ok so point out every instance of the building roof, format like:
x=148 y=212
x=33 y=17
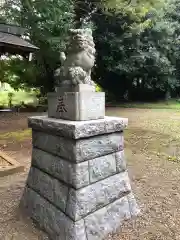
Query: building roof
x=12 y=29
x=8 y=40
x=12 y=42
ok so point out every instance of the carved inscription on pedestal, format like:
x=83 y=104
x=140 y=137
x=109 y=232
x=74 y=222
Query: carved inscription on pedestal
x=61 y=108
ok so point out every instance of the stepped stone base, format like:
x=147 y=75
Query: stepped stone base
x=78 y=186
x=95 y=226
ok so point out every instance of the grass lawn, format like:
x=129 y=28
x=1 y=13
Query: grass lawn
x=173 y=104
x=19 y=96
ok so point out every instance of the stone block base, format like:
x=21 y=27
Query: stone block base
x=95 y=226
x=76 y=106
x=78 y=186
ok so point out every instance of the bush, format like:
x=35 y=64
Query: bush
x=98 y=88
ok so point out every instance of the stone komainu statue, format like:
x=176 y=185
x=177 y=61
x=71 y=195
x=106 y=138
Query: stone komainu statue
x=77 y=64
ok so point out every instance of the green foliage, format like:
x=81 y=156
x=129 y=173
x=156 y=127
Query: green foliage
x=137 y=44
x=47 y=23
x=18 y=73
x=139 y=60
x=133 y=9
x=98 y=88
x=110 y=4
x=17 y=98
x=173 y=15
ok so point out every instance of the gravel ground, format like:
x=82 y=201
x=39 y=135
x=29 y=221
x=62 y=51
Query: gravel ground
x=152 y=150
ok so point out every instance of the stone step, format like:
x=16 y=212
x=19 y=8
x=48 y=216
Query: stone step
x=78 y=150
x=95 y=226
x=79 y=203
x=81 y=174
x=77 y=129
x=78 y=187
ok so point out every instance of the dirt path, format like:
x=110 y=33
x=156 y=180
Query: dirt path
x=14 y=226
x=152 y=139
x=152 y=150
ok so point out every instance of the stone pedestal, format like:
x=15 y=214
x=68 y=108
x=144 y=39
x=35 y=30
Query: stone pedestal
x=76 y=106
x=78 y=186
x=76 y=103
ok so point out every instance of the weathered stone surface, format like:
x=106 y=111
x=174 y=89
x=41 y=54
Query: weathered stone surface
x=78 y=187
x=59 y=146
x=86 y=200
x=76 y=88
x=80 y=150
x=79 y=59
x=52 y=220
x=76 y=106
x=48 y=187
x=77 y=175
x=84 y=88
x=107 y=220
x=120 y=161
x=134 y=208
x=77 y=129
x=103 y=167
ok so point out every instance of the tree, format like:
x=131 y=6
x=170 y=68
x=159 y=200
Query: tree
x=136 y=47
x=47 y=23
x=139 y=60
x=173 y=15
x=85 y=9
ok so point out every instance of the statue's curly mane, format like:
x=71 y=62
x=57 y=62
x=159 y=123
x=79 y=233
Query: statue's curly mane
x=81 y=39
x=80 y=57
